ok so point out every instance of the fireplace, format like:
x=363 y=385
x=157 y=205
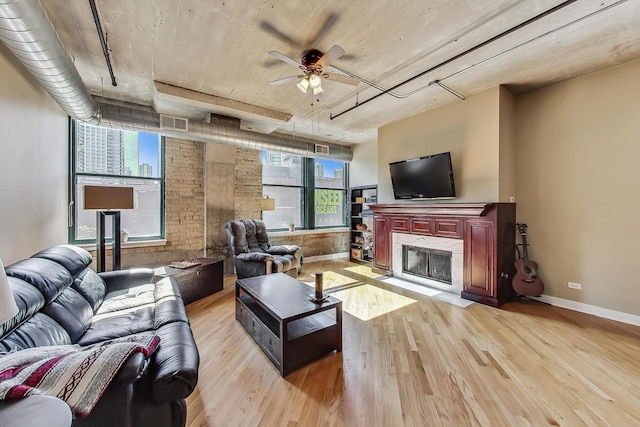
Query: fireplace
x=426 y=262
x=436 y=262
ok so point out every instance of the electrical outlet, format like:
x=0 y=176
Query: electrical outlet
x=512 y=199
x=574 y=285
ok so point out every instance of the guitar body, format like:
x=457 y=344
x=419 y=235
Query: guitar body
x=526 y=281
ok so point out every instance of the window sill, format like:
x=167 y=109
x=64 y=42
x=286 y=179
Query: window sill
x=134 y=244
x=303 y=232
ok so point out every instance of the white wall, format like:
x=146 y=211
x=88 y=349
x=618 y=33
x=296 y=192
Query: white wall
x=33 y=164
x=363 y=169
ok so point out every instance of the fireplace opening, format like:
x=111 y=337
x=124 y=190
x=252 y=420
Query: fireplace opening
x=429 y=263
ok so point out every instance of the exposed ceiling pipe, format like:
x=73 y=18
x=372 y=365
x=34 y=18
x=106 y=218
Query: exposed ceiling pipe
x=27 y=31
x=460 y=55
x=103 y=41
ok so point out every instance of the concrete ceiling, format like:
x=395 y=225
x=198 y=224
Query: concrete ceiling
x=194 y=57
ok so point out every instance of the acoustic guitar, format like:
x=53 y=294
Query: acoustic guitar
x=526 y=281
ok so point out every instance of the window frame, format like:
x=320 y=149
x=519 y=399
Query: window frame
x=74 y=204
x=308 y=195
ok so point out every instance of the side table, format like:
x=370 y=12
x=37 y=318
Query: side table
x=195 y=282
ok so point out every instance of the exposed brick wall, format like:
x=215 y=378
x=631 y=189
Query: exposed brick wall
x=316 y=244
x=248 y=184
x=184 y=207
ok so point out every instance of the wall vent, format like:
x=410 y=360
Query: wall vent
x=322 y=149
x=178 y=124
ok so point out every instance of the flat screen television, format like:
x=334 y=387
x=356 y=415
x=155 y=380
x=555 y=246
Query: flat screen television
x=428 y=177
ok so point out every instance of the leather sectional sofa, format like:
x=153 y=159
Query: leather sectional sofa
x=62 y=301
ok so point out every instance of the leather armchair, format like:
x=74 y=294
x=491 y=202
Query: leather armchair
x=253 y=254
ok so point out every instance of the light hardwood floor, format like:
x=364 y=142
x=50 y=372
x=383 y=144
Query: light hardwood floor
x=409 y=360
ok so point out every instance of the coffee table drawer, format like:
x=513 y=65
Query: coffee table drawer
x=271 y=344
x=254 y=326
x=241 y=314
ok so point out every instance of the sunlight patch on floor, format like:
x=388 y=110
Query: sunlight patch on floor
x=430 y=292
x=330 y=279
x=363 y=270
x=367 y=301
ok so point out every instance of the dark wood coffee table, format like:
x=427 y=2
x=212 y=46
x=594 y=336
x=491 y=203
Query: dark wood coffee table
x=278 y=313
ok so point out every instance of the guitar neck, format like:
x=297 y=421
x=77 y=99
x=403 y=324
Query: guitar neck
x=525 y=251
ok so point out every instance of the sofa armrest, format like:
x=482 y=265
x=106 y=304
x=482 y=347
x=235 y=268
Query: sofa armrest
x=132 y=370
x=284 y=250
x=173 y=368
x=124 y=279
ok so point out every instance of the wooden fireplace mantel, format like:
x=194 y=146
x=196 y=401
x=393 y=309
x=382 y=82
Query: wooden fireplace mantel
x=487 y=231
x=439 y=209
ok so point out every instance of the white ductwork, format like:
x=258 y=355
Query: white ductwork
x=27 y=31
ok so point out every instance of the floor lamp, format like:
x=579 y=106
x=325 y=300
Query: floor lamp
x=105 y=199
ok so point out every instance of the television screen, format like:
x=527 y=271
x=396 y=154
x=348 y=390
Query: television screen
x=428 y=177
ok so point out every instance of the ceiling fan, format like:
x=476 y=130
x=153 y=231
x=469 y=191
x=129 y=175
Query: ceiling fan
x=313 y=66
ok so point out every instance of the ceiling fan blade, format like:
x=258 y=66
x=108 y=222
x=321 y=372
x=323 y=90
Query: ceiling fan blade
x=285 y=80
x=314 y=40
x=331 y=55
x=279 y=34
x=341 y=79
x=285 y=58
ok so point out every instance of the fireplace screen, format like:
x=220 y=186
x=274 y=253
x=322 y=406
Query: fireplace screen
x=429 y=263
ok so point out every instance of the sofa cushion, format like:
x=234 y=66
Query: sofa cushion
x=73 y=258
x=136 y=296
x=145 y=309
x=49 y=277
x=90 y=285
x=28 y=299
x=39 y=330
x=72 y=311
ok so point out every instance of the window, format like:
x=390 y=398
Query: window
x=309 y=193
x=330 y=193
x=104 y=156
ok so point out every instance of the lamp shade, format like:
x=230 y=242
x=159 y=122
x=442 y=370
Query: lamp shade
x=267 y=204
x=102 y=197
x=8 y=307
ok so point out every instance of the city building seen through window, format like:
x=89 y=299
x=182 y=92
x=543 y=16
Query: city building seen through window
x=111 y=157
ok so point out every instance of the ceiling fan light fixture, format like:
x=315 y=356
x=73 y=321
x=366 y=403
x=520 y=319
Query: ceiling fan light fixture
x=303 y=85
x=314 y=80
x=317 y=90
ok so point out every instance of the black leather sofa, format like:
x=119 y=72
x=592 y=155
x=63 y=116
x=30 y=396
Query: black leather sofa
x=62 y=301
x=253 y=254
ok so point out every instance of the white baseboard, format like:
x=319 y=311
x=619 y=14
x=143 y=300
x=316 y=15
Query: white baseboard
x=618 y=316
x=326 y=257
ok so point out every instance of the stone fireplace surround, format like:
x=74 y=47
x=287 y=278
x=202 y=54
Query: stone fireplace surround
x=455 y=246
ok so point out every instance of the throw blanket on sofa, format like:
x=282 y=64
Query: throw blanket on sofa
x=77 y=375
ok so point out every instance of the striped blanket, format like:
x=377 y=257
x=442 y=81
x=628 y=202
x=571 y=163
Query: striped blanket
x=78 y=375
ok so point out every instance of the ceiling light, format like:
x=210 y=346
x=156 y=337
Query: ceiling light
x=317 y=90
x=314 y=80
x=303 y=85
